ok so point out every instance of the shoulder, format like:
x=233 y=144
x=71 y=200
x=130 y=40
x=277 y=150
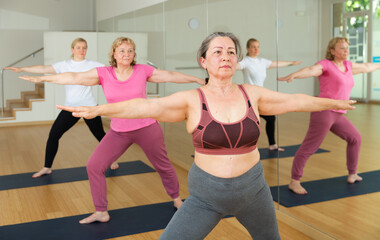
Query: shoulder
x=104 y=69
x=324 y=62
x=348 y=63
x=145 y=68
x=264 y=61
x=62 y=63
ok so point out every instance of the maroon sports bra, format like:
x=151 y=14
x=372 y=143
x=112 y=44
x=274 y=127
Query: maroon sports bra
x=216 y=138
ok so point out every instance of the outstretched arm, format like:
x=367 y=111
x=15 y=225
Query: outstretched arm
x=41 y=69
x=364 y=67
x=284 y=63
x=88 y=78
x=160 y=76
x=172 y=108
x=312 y=71
x=273 y=103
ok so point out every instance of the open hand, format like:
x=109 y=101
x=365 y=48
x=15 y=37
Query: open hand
x=288 y=78
x=13 y=69
x=345 y=105
x=35 y=79
x=85 y=112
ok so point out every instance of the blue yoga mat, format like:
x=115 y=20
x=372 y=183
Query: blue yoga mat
x=328 y=189
x=126 y=221
x=68 y=175
x=290 y=151
x=123 y=222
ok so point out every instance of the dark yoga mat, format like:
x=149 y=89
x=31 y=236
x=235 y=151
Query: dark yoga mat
x=290 y=151
x=68 y=175
x=328 y=189
x=123 y=222
x=126 y=221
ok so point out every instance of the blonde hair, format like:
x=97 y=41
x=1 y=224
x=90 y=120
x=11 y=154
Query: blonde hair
x=77 y=40
x=118 y=41
x=250 y=41
x=332 y=44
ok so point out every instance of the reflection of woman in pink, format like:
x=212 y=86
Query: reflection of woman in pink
x=255 y=71
x=336 y=80
x=124 y=80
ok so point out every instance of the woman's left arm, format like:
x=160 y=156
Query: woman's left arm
x=364 y=67
x=273 y=103
x=160 y=76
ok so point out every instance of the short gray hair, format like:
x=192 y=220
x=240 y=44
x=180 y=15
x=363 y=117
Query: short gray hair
x=206 y=44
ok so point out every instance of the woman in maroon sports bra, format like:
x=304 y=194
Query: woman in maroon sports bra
x=227 y=176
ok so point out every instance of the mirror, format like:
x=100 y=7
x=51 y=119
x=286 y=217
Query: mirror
x=288 y=30
x=331 y=202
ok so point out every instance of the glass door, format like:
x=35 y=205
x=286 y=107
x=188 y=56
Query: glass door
x=356 y=30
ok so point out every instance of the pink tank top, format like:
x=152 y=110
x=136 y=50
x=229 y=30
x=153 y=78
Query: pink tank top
x=216 y=138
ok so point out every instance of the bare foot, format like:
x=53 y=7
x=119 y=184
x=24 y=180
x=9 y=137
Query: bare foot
x=352 y=178
x=97 y=216
x=295 y=186
x=177 y=202
x=43 y=171
x=275 y=147
x=114 y=166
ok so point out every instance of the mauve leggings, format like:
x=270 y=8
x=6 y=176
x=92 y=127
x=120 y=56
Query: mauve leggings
x=320 y=124
x=114 y=144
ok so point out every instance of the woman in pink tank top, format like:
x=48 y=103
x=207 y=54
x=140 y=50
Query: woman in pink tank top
x=222 y=180
x=335 y=75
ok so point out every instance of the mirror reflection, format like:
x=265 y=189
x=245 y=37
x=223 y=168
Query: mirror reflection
x=342 y=155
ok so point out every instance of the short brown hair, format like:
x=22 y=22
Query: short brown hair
x=332 y=44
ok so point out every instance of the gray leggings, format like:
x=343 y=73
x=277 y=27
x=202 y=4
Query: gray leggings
x=247 y=197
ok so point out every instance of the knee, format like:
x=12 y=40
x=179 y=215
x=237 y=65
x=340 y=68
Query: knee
x=355 y=139
x=93 y=168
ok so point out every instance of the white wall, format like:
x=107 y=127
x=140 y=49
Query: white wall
x=298 y=34
x=111 y=8
x=22 y=24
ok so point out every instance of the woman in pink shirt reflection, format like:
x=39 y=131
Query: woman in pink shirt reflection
x=335 y=75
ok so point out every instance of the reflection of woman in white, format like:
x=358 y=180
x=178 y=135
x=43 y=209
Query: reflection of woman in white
x=254 y=70
x=76 y=95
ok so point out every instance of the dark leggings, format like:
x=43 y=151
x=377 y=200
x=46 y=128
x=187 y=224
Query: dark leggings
x=62 y=124
x=270 y=128
x=247 y=197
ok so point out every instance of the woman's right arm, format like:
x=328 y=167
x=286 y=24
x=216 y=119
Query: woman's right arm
x=89 y=78
x=312 y=71
x=41 y=69
x=173 y=108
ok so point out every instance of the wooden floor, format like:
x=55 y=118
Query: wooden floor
x=22 y=150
